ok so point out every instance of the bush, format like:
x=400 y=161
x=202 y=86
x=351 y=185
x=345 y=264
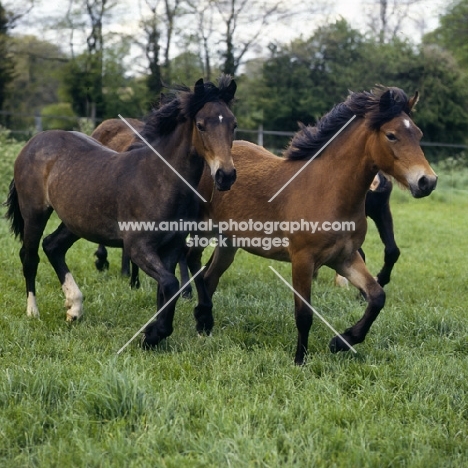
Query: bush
x=59 y=116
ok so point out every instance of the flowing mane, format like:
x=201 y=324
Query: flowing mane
x=183 y=105
x=378 y=106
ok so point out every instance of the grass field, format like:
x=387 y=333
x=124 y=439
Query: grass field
x=236 y=399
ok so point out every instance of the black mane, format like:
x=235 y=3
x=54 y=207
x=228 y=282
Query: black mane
x=183 y=105
x=377 y=106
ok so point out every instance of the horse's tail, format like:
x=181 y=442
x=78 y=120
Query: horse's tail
x=14 y=213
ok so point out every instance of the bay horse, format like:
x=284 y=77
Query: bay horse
x=378 y=209
x=93 y=188
x=117 y=135
x=332 y=188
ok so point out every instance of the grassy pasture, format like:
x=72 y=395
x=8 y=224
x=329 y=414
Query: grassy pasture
x=236 y=399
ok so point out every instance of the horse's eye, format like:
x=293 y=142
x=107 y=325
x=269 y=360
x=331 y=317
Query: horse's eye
x=235 y=125
x=201 y=127
x=391 y=137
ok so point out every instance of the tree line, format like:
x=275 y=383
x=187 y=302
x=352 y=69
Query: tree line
x=295 y=81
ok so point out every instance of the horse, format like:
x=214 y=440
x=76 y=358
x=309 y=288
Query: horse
x=93 y=189
x=117 y=135
x=331 y=188
x=378 y=209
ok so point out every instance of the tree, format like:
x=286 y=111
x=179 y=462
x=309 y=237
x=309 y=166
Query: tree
x=6 y=61
x=186 y=68
x=387 y=17
x=233 y=28
x=305 y=79
x=83 y=80
x=452 y=34
x=38 y=71
x=96 y=10
x=159 y=27
x=204 y=20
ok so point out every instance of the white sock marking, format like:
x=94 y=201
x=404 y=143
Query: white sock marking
x=73 y=298
x=32 y=309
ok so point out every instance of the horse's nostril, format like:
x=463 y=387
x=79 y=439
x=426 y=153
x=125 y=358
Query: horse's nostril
x=423 y=183
x=224 y=180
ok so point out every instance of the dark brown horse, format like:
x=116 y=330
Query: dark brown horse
x=331 y=189
x=93 y=189
x=117 y=135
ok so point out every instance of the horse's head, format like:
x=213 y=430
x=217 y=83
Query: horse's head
x=213 y=129
x=397 y=149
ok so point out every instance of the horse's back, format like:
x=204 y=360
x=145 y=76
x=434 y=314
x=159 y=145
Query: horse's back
x=115 y=133
x=53 y=145
x=58 y=154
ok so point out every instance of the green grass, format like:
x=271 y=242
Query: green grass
x=236 y=399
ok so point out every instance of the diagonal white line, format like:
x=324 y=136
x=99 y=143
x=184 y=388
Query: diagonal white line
x=312 y=158
x=160 y=310
x=313 y=310
x=155 y=151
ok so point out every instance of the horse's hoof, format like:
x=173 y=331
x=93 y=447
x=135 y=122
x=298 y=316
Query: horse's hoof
x=204 y=335
x=150 y=342
x=341 y=282
x=101 y=265
x=187 y=294
x=32 y=312
x=152 y=336
x=135 y=284
x=204 y=319
x=337 y=344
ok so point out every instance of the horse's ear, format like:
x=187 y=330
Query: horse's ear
x=387 y=100
x=227 y=94
x=413 y=101
x=199 y=88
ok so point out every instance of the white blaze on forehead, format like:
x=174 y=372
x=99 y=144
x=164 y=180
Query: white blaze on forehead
x=407 y=123
x=220 y=118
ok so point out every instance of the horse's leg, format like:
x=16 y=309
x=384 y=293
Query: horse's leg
x=125 y=264
x=129 y=268
x=101 y=260
x=356 y=272
x=341 y=281
x=162 y=270
x=203 y=311
x=184 y=274
x=384 y=222
x=33 y=230
x=220 y=260
x=206 y=283
x=56 y=246
x=302 y=274
x=135 y=277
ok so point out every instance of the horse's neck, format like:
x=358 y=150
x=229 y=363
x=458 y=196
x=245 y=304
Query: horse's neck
x=177 y=150
x=348 y=162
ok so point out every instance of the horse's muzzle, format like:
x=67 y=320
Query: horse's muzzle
x=425 y=186
x=224 y=180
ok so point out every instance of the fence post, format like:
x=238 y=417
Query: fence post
x=38 y=121
x=260 y=135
